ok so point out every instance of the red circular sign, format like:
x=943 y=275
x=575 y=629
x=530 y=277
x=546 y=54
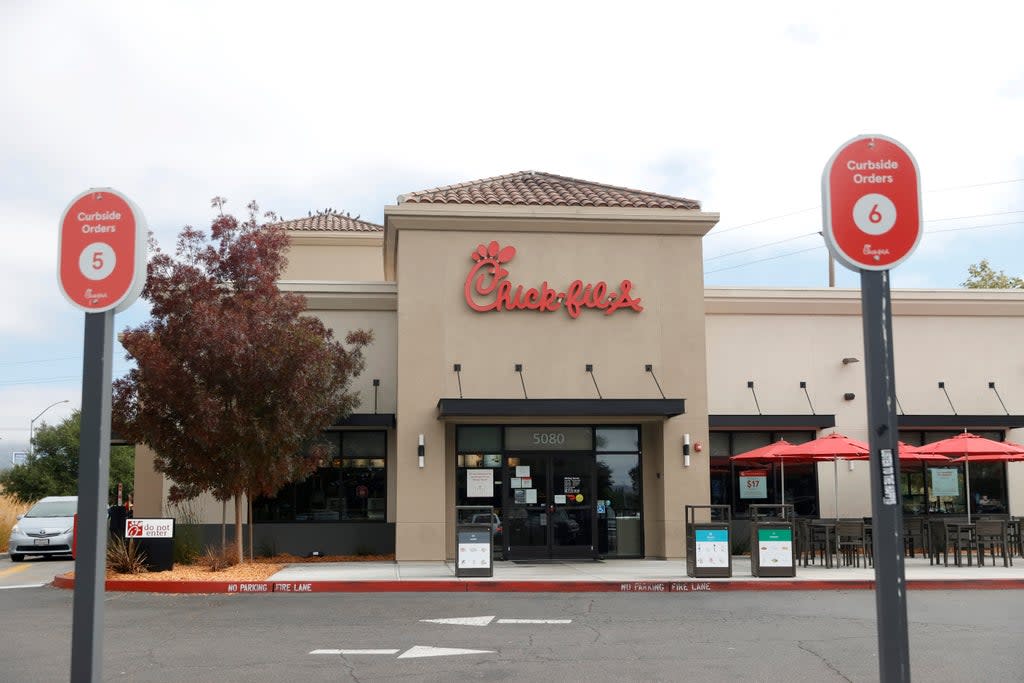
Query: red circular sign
x=101 y=251
x=871 y=201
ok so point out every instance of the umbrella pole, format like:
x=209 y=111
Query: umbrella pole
x=835 y=472
x=782 y=464
x=967 y=482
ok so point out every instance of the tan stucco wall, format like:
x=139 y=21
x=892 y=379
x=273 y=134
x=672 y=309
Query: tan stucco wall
x=779 y=337
x=437 y=329
x=330 y=257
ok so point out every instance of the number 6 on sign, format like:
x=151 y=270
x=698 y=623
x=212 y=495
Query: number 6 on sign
x=875 y=214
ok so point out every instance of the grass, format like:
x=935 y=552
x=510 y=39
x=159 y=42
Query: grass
x=9 y=511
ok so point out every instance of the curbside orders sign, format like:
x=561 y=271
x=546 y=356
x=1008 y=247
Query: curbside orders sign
x=871 y=203
x=102 y=251
x=149 y=528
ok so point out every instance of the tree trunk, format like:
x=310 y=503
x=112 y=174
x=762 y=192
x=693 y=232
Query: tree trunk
x=224 y=524
x=240 y=554
x=248 y=498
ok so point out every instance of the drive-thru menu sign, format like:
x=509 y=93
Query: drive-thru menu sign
x=871 y=203
x=102 y=251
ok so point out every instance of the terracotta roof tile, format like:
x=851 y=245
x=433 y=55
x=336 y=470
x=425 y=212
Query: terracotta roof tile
x=331 y=222
x=533 y=188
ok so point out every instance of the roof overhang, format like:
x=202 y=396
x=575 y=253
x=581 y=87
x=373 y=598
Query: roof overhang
x=640 y=408
x=381 y=420
x=967 y=422
x=770 y=422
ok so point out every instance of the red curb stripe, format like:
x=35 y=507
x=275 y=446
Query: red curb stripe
x=455 y=586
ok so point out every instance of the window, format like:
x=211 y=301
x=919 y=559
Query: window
x=988 y=480
x=801 y=481
x=349 y=482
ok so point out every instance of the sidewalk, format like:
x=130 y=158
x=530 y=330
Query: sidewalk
x=615 y=576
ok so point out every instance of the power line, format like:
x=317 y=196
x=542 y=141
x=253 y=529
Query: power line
x=44 y=360
x=21 y=382
x=794 y=213
x=802 y=251
x=927 y=232
x=760 y=246
x=767 y=258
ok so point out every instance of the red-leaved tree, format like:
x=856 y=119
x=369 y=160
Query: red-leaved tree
x=230 y=377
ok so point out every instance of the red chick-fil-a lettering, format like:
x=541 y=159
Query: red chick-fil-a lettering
x=488 y=289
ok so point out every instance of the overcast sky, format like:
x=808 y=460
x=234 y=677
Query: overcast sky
x=303 y=106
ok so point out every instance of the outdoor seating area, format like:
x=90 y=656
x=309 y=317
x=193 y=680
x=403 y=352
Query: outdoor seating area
x=954 y=527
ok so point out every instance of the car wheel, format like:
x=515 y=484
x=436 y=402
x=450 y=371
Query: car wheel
x=17 y=557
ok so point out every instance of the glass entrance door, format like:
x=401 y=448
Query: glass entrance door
x=549 y=501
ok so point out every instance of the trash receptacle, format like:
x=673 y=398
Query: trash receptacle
x=474 y=533
x=117 y=515
x=155 y=538
x=708 y=543
x=771 y=541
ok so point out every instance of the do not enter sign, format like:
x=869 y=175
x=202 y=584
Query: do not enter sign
x=102 y=251
x=871 y=200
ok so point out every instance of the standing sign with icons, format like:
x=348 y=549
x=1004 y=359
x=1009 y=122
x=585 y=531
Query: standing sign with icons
x=101 y=270
x=871 y=202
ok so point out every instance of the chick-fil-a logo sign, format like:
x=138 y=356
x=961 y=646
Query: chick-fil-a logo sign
x=487 y=289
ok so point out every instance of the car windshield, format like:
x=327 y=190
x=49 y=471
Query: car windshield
x=53 y=508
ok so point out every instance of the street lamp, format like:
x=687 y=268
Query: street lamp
x=32 y=427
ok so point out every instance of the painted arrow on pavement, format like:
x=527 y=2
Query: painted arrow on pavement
x=412 y=653
x=484 y=621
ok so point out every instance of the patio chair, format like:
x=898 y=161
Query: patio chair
x=938 y=542
x=992 y=533
x=813 y=543
x=915 y=535
x=852 y=541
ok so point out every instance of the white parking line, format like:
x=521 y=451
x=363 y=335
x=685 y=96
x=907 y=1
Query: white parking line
x=354 y=652
x=24 y=585
x=534 y=621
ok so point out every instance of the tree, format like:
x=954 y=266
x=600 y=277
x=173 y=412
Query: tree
x=982 y=276
x=230 y=377
x=53 y=469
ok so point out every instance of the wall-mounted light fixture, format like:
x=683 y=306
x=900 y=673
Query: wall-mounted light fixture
x=849 y=464
x=686 y=450
x=419 y=451
x=850 y=359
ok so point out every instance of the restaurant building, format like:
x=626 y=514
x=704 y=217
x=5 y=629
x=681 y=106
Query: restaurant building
x=546 y=346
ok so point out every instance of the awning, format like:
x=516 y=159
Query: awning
x=367 y=420
x=770 y=422
x=969 y=422
x=560 y=407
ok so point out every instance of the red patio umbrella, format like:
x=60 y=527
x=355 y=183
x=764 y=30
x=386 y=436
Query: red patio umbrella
x=831 y=447
x=910 y=453
x=770 y=453
x=969 y=447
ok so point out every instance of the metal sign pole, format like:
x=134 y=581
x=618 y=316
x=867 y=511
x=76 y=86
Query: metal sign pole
x=886 y=501
x=93 y=480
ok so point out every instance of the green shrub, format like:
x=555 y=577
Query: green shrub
x=187 y=533
x=220 y=558
x=125 y=558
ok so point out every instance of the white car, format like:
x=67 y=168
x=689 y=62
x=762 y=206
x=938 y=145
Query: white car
x=46 y=529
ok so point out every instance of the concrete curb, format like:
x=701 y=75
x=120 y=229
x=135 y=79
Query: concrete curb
x=687 y=586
